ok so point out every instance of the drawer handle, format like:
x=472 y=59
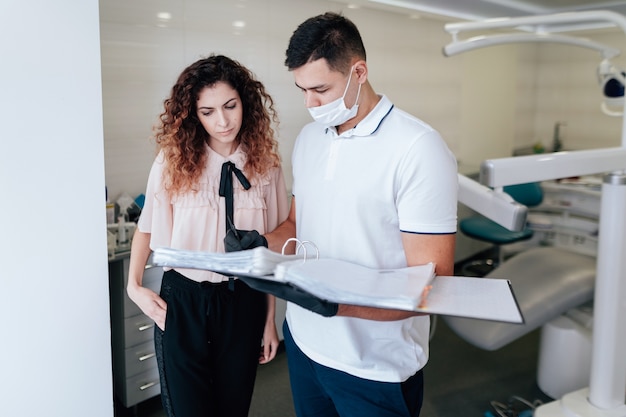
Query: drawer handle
x=146 y=357
x=145 y=327
x=146 y=386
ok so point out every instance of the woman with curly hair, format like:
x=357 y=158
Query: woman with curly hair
x=217 y=167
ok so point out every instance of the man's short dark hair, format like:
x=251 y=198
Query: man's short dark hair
x=330 y=36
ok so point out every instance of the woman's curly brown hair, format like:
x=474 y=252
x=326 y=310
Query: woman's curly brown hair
x=182 y=138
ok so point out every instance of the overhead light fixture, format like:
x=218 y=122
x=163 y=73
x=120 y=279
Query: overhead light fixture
x=239 y=24
x=164 y=16
x=163 y=19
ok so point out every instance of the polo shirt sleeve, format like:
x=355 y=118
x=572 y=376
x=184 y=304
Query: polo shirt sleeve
x=427 y=187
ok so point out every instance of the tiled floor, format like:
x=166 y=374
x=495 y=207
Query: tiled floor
x=148 y=408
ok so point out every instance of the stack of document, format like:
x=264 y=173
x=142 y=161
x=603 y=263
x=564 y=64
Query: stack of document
x=257 y=262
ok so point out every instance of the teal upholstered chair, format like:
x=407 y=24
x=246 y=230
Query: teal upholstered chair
x=481 y=228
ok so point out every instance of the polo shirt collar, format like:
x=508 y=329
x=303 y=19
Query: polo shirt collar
x=371 y=122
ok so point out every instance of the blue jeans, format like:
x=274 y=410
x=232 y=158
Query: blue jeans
x=320 y=391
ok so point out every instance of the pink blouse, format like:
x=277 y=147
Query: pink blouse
x=196 y=220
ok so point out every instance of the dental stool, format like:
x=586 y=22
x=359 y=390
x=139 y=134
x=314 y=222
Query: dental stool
x=481 y=228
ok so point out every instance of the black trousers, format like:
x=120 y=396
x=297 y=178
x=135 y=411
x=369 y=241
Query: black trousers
x=209 y=352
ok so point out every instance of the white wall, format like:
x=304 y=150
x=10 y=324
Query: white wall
x=488 y=104
x=54 y=316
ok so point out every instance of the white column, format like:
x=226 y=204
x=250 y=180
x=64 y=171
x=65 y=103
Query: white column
x=608 y=376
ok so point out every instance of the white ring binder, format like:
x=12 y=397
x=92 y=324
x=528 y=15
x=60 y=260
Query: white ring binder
x=301 y=244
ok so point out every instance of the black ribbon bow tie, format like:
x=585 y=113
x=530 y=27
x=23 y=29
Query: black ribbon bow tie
x=226 y=189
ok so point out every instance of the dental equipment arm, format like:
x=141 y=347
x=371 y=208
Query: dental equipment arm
x=496 y=205
x=539 y=22
x=541 y=167
x=459 y=46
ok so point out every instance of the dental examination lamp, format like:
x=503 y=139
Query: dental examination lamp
x=606 y=394
x=611 y=79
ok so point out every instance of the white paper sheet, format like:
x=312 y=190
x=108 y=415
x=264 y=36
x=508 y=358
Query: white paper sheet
x=471 y=297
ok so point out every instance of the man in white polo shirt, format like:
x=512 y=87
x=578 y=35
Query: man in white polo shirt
x=375 y=186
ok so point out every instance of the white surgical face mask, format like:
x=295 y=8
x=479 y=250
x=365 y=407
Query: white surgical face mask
x=336 y=113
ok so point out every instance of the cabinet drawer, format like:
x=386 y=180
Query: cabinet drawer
x=140 y=387
x=152 y=280
x=140 y=358
x=138 y=329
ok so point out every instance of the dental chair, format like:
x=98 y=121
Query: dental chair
x=547 y=282
x=481 y=228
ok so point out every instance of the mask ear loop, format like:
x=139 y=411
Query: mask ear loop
x=301 y=244
x=358 y=93
x=349 y=79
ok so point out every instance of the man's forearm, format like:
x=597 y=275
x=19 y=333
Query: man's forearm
x=277 y=238
x=374 y=313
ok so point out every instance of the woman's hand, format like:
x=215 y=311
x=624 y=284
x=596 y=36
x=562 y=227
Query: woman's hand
x=270 y=342
x=150 y=303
